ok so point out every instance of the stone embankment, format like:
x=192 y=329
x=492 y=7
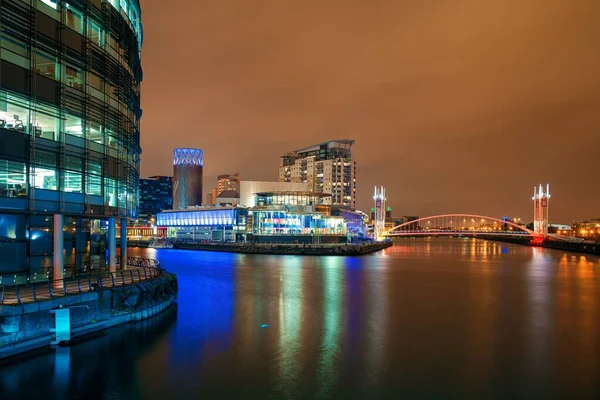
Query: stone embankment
x=29 y=325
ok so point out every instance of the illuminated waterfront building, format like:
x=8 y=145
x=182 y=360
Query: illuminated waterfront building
x=589 y=229
x=249 y=189
x=70 y=78
x=274 y=216
x=205 y=223
x=326 y=168
x=294 y=213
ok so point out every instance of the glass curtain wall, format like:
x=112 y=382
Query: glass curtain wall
x=69 y=128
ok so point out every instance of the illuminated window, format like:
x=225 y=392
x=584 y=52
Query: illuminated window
x=74 y=18
x=73 y=178
x=50 y=3
x=43 y=177
x=13 y=179
x=14 y=112
x=110 y=192
x=93 y=185
x=44 y=123
x=94 y=132
x=73 y=125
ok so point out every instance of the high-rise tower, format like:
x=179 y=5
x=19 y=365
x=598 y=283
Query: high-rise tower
x=326 y=168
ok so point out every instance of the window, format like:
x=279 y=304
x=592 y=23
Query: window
x=44 y=125
x=73 y=182
x=94 y=185
x=51 y=3
x=122 y=195
x=43 y=174
x=73 y=177
x=14 y=112
x=45 y=64
x=94 y=132
x=110 y=192
x=95 y=33
x=14 y=51
x=113 y=42
x=73 y=125
x=74 y=18
x=15 y=45
x=73 y=77
x=94 y=81
x=45 y=122
x=43 y=177
x=93 y=178
x=13 y=179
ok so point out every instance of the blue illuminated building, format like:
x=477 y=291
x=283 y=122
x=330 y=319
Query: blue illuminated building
x=205 y=223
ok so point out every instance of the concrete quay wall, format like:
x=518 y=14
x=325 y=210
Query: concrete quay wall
x=26 y=327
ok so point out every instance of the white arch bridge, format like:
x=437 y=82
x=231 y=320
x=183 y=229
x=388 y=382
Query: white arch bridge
x=459 y=225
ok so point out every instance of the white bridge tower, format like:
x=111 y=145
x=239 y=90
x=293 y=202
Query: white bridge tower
x=541 y=201
x=379 y=220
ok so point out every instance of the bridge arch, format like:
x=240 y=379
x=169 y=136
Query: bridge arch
x=445 y=224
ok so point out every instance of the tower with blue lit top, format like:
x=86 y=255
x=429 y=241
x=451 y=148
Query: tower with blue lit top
x=187 y=178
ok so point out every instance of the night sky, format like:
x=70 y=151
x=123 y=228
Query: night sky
x=455 y=106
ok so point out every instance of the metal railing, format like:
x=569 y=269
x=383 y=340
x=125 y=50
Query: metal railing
x=138 y=270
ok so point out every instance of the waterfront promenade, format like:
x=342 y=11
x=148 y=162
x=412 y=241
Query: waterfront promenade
x=92 y=303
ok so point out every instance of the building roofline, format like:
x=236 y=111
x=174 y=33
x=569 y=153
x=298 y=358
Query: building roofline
x=292 y=193
x=342 y=141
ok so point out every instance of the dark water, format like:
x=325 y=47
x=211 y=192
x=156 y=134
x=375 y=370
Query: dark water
x=427 y=318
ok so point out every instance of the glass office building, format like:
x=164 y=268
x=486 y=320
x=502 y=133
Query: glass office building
x=156 y=195
x=70 y=79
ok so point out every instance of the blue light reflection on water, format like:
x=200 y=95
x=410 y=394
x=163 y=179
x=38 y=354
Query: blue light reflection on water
x=205 y=306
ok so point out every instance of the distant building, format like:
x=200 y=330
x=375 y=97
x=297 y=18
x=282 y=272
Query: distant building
x=211 y=198
x=228 y=182
x=187 y=178
x=326 y=167
x=249 y=189
x=156 y=195
x=266 y=212
x=228 y=197
x=589 y=229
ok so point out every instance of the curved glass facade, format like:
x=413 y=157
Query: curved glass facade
x=70 y=78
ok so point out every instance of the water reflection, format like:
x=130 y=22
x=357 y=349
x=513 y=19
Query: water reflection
x=332 y=308
x=103 y=366
x=290 y=320
x=427 y=318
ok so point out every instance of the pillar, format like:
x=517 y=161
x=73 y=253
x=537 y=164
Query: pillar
x=123 y=243
x=112 y=244
x=59 y=247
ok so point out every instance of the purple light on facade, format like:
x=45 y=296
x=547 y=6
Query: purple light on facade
x=188 y=157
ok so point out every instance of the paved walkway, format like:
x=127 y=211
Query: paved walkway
x=12 y=295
